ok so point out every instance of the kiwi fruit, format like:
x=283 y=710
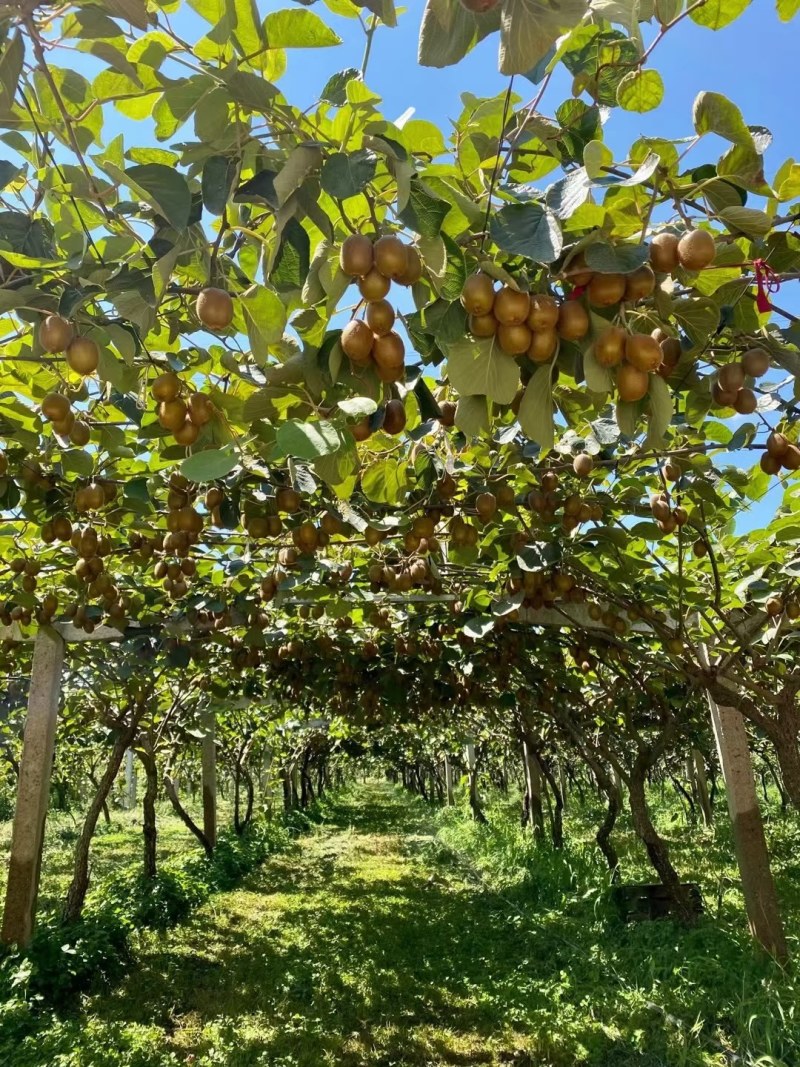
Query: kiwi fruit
x=55 y=407
x=172 y=414
x=477 y=295
x=389 y=351
x=640 y=284
x=83 y=355
x=755 y=362
x=288 y=500
x=543 y=345
x=573 y=321
x=605 y=290
x=483 y=325
x=511 y=307
x=769 y=464
x=514 y=338
x=55 y=333
x=632 y=383
x=791 y=458
x=724 y=398
x=200 y=408
x=577 y=273
x=63 y=427
x=643 y=351
x=774 y=606
x=543 y=314
x=360 y=430
x=731 y=377
x=671 y=350
x=447 y=410
x=486 y=505
x=664 y=253
x=166 y=387
x=583 y=465
x=394 y=418
x=374 y=285
x=80 y=433
x=356 y=256
x=214 y=308
x=746 y=402
x=609 y=348
x=357 y=341
x=696 y=250
x=777 y=444
x=390 y=256
x=379 y=316
x=413 y=272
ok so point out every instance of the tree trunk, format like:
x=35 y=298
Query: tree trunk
x=185 y=817
x=474 y=798
x=557 y=812
x=79 y=886
x=106 y=814
x=603 y=835
x=149 y=826
x=701 y=782
x=448 y=782
x=240 y=825
x=788 y=755
x=655 y=845
x=533 y=792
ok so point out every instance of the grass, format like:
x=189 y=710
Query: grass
x=398 y=935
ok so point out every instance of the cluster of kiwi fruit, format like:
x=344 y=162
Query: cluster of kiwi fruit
x=780 y=453
x=779 y=605
x=668 y=519
x=57 y=409
x=56 y=334
x=391 y=420
x=544 y=588
x=372 y=341
x=522 y=323
x=729 y=389
x=401 y=576
x=184 y=418
x=548 y=503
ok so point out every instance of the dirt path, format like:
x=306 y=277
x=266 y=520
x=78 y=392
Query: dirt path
x=357 y=948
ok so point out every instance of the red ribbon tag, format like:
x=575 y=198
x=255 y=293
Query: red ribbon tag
x=767 y=281
x=577 y=292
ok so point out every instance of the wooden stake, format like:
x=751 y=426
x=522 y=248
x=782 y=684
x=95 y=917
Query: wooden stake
x=209 y=774
x=33 y=788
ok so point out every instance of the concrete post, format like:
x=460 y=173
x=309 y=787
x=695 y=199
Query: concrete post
x=209 y=774
x=33 y=788
x=130 y=780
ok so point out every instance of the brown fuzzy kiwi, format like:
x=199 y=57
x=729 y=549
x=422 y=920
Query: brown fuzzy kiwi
x=543 y=314
x=214 y=308
x=577 y=273
x=573 y=321
x=724 y=398
x=731 y=377
x=186 y=434
x=543 y=345
x=356 y=255
x=477 y=295
x=777 y=444
x=609 y=348
x=639 y=284
x=394 y=418
x=201 y=408
x=769 y=464
x=746 y=402
x=664 y=253
x=448 y=413
x=389 y=351
x=605 y=290
x=643 y=352
x=374 y=286
x=361 y=429
x=696 y=250
x=583 y=465
x=55 y=333
x=83 y=355
x=514 y=339
x=483 y=325
x=379 y=316
x=391 y=256
x=632 y=383
x=755 y=362
x=357 y=341
x=166 y=387
x=55 y=407
x=511 y=307
x=172 y=414
x=413 y=272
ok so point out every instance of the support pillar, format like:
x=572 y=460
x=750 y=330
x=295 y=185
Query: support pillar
x=33 y=788
x=758 y=886
x=209 y=772
x=448 y=781
x=130 y=780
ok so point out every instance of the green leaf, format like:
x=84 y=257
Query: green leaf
x=448 y=32
x=264 y=319
x=133 y=11
x=565 y=196
x=472 y=415
x=481 y=368
x=358 y=407
x=210 y=465
x=787 y=9
x=308 y=440
x=528 y=230
x=219 y=174
x=346 y=175
x=699 y=319
x=597 y=157
x=293 y=259
x=11 y=60
x=660 y=401
x=640 y=90
x=302 y=160
x=529 y=27
x=424 y=212
x=386 y=481
x=178 y=102
x=714 y=14
x=536 y=410
x=250 y=90
x=335 y=88
x=715 y=113
x=298 y=28
x=164 y=189
x=748 y=220
x=616 y=259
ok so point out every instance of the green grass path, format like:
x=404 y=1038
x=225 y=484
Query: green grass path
x=353 y=949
